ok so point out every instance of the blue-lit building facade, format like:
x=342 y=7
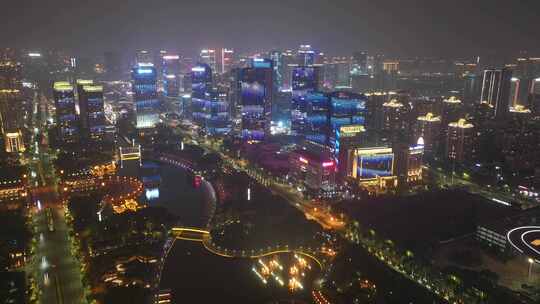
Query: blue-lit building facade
x=145 y=97
x=201 y=85
x=66 y=115
x=92 y=111
x=326 y=113
x=317 y=128
x=305 y=80
x=335 y=120
x=171 y=75
x=256 y=91
x=345 y=109
x=277 y=62
x=218 y=121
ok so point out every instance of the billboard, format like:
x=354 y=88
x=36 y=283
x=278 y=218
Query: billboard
x=374 y=162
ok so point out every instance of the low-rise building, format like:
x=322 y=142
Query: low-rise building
x=316 y=170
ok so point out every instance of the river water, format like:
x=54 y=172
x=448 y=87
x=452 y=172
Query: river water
x=192 y=273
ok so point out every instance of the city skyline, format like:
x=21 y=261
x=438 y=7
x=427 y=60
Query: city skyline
x=240 y=151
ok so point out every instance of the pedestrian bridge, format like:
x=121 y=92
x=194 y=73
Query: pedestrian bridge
x=200 y=235
x=189 y=234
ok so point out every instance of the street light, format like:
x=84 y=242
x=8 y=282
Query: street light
x=531 y=262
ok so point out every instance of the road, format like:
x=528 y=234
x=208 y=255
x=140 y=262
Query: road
x=495 y=195
x=309 y=208
x=57 y=272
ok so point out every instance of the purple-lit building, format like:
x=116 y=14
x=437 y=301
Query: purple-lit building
x=305 y=80
x=256 y=99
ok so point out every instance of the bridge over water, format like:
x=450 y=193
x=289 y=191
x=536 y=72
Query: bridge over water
x=200 y=235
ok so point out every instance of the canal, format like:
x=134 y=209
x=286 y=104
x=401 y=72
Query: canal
x=193 y=273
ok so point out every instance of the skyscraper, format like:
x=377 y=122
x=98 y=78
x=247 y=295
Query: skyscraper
x=345 y=109
x=394 y=117
x=208 y=56
x=218 y=111
x=201 y=85
x=227 y=60
x=11 y=111
x=452 y=109
x=66 y=115
x=171 y=75
x=305 y=79
x=496 y=90
x=288 y=63
x=359 y=63
x=428 y=129
x=337 y=73
x=534 y=96
x=277 y=62
x=201 y=80
x=143 y=57
x=317 y=125
x=144 y=86
x=92 y=111
x=306 y=55
x=256 y=99
x=459 y=141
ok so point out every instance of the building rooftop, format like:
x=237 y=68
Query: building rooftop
x=429 y=117
x=393 y=103
x=313 y=156
x=452 y=99
x=520 y=109
x=461 y=123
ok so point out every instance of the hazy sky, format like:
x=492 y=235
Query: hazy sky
x=401 y=27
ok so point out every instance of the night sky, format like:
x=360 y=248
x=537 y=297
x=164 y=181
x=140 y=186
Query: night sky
x=398 y=27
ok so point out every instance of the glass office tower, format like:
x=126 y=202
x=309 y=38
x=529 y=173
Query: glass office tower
x=305 y=79
x=256 y=99
x=171 y=75
x=144 y=86
x=92 y=111
x=66 y=115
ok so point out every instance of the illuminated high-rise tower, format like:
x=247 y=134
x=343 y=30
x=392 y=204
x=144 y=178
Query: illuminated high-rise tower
x=427 y=131
x=226 y=60
x=359 y=63
x=171 y=75
x=360 y=79
x=394 y=115
x=66 y=114
x=496 y=90
x=208 y=56
x=256 y=99
x=288 y=63
x=306 y=55
x=11 y=111
x=305 y=80
x=277 y=62
x=144 y=86
x=459 y=141
x=144 y=57
x=201 y=85
x=92 y=111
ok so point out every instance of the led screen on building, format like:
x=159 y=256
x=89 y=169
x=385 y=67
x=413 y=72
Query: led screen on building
x=374 y=162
